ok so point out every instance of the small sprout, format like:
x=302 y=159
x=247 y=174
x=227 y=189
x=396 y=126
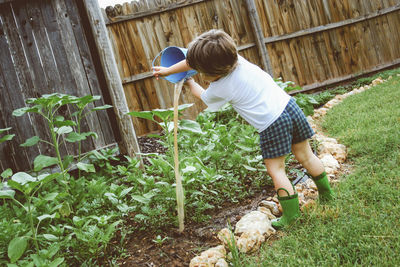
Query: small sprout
x=159 y=240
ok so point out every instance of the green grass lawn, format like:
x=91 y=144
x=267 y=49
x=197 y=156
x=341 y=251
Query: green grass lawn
x=362 y=227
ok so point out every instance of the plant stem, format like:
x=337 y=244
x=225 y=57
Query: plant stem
x=32 y=226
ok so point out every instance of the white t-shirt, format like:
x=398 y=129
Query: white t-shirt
x=252 y=93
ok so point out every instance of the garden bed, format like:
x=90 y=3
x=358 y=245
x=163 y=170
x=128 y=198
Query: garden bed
x=112 y=212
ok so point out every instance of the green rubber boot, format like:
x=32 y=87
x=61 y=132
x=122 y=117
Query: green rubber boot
x=325 y=191
x=290 y=208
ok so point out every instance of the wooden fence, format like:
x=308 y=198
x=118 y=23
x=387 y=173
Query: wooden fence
x=313 y=43
x=44 y=48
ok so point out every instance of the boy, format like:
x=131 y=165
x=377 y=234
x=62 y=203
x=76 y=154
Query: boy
x=282 y=126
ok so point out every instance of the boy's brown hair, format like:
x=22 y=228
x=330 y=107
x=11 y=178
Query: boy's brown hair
x=213 y=52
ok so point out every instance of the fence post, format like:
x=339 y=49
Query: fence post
x=114 y=83
x=255 y=23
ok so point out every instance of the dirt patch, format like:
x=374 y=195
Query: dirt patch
x=179 y=248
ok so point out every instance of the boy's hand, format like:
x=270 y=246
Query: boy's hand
x=160 y=71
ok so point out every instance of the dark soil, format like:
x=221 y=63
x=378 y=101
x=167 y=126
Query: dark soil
x=179 y=248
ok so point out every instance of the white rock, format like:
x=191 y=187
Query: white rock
x=254 y=221
x=331 y=103
x=329 y=161
x=267 y=211
x=322 y=139
x=209 y=257
x=225 y=236
x=338 y=151
x=339 y=97
x=377 y=81
x=270 y=205
x=250 y=241
x=309 y=183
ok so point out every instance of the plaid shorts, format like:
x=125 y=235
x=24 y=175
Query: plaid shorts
x=291 y=127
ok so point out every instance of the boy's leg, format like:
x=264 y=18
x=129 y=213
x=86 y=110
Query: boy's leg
x=287 y=197
x=304 y=154
x=315 y=168
x=276 y=169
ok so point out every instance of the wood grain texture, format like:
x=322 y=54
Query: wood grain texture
x=308 y=42
x=44 y=49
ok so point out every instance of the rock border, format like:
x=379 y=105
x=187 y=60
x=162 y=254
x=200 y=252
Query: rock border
x=253 y=228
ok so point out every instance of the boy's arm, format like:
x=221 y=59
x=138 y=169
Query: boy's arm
x=176 y=68
x=195 y=88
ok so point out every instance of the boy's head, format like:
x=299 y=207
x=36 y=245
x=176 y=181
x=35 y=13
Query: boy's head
x=213 y=53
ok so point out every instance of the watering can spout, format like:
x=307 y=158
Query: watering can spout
x=170 y=56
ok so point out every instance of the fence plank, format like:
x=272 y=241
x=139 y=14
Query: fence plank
x=11 y=100
x=128 y=134
x=95 y=121
x=144 y=11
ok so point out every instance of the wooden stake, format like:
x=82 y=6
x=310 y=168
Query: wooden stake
x=258 y=33
x=179 y=189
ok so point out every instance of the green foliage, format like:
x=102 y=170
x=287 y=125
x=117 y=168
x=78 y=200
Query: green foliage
x=6 y=137
x=35 y=199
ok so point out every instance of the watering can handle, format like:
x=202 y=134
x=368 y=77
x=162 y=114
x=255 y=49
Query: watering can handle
x=154 y=60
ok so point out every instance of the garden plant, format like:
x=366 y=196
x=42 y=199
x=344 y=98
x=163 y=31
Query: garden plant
x=73 y=210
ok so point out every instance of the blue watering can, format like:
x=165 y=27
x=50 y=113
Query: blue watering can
x=170 y=56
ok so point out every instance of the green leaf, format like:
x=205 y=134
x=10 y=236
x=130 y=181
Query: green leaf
x=125 y=192
x=7 y=173
x=191 y=126
x=43 y=161
x=50 y=237
x=23 y=178
x=245 y=147
x=45 y=178
x=163 y=114
x=16 y=248
x=19 y=112
x=83 y=101
x=98 y=155
x=31 y=141
x=247 y=167
x=75 y=137
x=101 y=107
x=56 y=262
x=15 y=185
x=67 y=161
x=50 y=196
x=64 y=130
x=5 y=130
x=7 y=193
x=86 y=167
x=189 y=169
x=7 y=137
x=141 y=199
x=46 y=216
x=65 y=209
x=93 y=134
x=64 y=123
x=148 y=115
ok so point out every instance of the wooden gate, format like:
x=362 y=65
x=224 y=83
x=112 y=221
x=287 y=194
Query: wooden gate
x=44 y=48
